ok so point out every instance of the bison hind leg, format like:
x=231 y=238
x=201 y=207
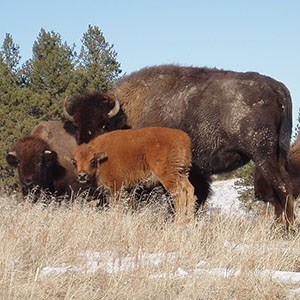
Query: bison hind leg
x=186 y=200
x=182 y=192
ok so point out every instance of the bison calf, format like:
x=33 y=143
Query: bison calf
x=125 y=158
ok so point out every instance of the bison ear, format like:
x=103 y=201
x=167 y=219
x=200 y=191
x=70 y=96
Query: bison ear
x=12 y=159
x=101 y=157
x=70 y=128
x=50 y=158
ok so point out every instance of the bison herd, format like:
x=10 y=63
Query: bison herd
x=171 y=125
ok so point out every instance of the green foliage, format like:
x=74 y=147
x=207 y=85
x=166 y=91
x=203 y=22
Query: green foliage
x=245 y=175
x=51 y=67
x=10 y=53
x=297 y=128
x=35 y=91
x=244 y=182
x=97 y=67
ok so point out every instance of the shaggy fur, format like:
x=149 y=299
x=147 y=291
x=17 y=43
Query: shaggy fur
x=41 y=163
x=263 y=191
x=231 y=118
x=126 y=158
x=98 y=120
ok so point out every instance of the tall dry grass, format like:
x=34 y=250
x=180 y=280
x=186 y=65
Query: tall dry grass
x=34 y=238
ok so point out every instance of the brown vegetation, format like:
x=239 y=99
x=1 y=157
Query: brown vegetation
x=36 y=239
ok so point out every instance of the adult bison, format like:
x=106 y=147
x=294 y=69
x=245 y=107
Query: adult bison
x=263 y=191
x=41 y=163
x=231 y=118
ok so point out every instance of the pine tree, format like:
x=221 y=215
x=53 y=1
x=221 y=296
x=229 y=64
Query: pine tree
x=10 y=118
x=9 y=64
x=297 y=128
x=97 y=66
x=10 y=54
x=51 y=66
x=48 y=75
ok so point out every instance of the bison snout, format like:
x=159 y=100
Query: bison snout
x=83 y=177
x=28 y=182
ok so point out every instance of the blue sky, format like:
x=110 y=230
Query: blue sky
x=257 y=35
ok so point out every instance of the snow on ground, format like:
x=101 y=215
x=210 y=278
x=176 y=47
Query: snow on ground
x=111 y=263
x=224 y=197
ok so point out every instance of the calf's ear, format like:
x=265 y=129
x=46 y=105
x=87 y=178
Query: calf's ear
x=101 y=157
x=69 y=157
x=12 y=159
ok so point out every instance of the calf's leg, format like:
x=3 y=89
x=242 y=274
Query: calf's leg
x=182 y=191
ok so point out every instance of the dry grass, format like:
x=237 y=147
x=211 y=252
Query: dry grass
x=33 y=238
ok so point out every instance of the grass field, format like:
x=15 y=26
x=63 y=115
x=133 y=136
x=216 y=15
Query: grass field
x=79 y=252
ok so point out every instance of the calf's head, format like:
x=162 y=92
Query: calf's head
x=86 y=161
x=36 y=164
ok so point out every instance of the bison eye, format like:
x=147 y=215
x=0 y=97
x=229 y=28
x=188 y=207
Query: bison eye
x=104 y=125
x=93 y=163
x=89 y=132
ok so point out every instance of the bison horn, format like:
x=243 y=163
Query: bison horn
x=115 y=109
x=12 y=159
x=66 y=114
x=12 y=153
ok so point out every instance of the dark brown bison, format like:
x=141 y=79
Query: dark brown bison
x=231 y=118
x=263 y=191
x=41 y=163
x=151 y=155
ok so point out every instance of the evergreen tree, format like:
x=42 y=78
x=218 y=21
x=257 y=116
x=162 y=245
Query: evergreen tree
x=297 y=128
x=48 y=75
x=9 y=62
x=9 y=116
x=97 y=66
x=51 y=66
x=245 y=175
x=10 y=54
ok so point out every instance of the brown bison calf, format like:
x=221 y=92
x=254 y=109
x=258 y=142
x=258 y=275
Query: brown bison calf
x=125 y=158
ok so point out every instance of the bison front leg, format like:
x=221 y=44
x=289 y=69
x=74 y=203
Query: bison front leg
x=283 y=199
x=284 y=203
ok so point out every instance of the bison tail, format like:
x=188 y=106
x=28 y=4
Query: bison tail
x=285 y=130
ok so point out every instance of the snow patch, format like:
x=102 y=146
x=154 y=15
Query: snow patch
x=110 y=263
x=224 y=198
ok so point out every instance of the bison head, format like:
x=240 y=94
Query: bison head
x=90 y=115
x=85 y=161
x=37 y=165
